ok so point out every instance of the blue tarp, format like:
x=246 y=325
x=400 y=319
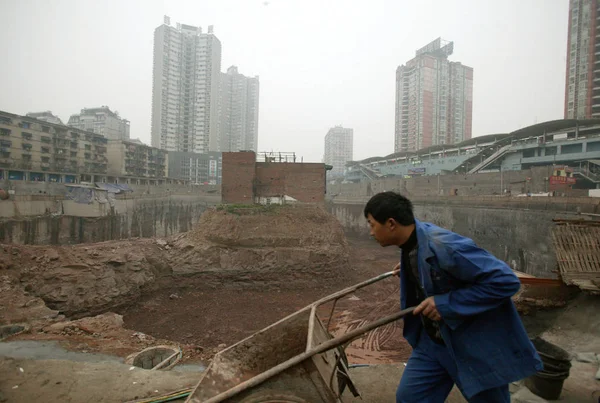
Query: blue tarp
x=114 y=187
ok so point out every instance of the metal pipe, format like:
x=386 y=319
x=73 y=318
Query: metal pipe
x=328 y=345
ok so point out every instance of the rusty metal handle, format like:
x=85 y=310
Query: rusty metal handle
x=328 y=345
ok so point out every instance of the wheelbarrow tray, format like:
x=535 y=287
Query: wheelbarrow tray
x=267 y=349
x=293 y=360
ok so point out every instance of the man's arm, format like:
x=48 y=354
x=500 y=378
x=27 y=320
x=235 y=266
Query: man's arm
x=491 y=283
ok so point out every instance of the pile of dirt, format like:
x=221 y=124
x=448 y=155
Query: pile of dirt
x=84 y=280
x=19 y=306
x=276 y=246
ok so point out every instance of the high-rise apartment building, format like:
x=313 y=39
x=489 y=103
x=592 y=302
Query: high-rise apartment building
x=102 y=121
x=338 y=149
x=238 y=111
x=582 y=89
x=434 y=99
x=198 y=169
x=46 y=116
x=185 y=91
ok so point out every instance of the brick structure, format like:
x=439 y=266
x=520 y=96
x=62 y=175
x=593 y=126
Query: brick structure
x=245 y=180
x=303 y=182
x=238 y=177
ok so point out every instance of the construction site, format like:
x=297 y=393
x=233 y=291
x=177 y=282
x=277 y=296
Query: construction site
x=221 y=294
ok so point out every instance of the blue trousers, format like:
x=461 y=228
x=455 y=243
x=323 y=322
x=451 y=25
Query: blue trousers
x=431 y=373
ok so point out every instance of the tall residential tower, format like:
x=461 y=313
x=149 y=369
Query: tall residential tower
x=339 y=146
x=238 y=112
x=103 y=121
x=582 y=89
x=434 y=99
x=185 y=91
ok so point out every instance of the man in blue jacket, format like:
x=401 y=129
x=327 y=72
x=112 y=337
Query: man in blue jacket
x=465 y=329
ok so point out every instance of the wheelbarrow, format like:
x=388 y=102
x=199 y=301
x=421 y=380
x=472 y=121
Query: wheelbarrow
x=295 y=360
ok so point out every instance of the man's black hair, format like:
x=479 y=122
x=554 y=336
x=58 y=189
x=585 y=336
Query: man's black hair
x=386 y=205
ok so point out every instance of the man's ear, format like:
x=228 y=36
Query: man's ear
x=392 y=224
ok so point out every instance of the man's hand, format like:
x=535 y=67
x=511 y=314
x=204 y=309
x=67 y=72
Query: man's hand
x=396 y=269
x=427 y=308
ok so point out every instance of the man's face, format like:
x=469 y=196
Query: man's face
x=381 y=232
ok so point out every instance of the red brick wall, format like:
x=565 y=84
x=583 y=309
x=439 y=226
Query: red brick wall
x=238 y=174
x=303 y=182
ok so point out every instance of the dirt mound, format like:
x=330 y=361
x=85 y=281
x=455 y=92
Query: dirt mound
x=269 y=226
x=19 y=306
x=265 y=246
x=84 y=280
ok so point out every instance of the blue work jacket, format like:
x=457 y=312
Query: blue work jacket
x=472 y=290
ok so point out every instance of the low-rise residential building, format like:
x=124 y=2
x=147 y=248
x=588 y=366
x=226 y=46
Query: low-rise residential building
x=102 y=121
x=128 y=158
x=36 y=150
x=198 y=169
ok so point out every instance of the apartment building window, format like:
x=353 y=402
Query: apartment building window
x=26 y=125
x=5 y=120
x=45 y=150
x=26 y=136
x=5 y=132
x=45 y=129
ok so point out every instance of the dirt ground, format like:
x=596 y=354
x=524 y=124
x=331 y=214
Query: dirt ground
x=199 y=291
x=190 y=312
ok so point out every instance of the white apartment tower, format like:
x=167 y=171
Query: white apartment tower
x=338 y=149
x=185 y=91
x=103 y=121
x=238 y=111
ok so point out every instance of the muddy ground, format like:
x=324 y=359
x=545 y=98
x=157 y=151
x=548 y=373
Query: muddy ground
x=185 y=310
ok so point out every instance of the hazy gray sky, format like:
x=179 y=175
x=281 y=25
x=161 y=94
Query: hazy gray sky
x=320 y=62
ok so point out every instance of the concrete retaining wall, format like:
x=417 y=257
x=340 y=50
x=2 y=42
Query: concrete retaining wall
x=520 y=237
x=532 y=180
x=141 y=217
x=23 y=188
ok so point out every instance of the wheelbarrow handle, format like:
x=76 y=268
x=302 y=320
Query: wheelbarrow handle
x=328 y=345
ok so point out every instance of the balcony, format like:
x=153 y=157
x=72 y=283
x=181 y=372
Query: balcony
x=5 y=132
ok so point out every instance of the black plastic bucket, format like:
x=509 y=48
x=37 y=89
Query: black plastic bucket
x=551 y=354
x=548 y=383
